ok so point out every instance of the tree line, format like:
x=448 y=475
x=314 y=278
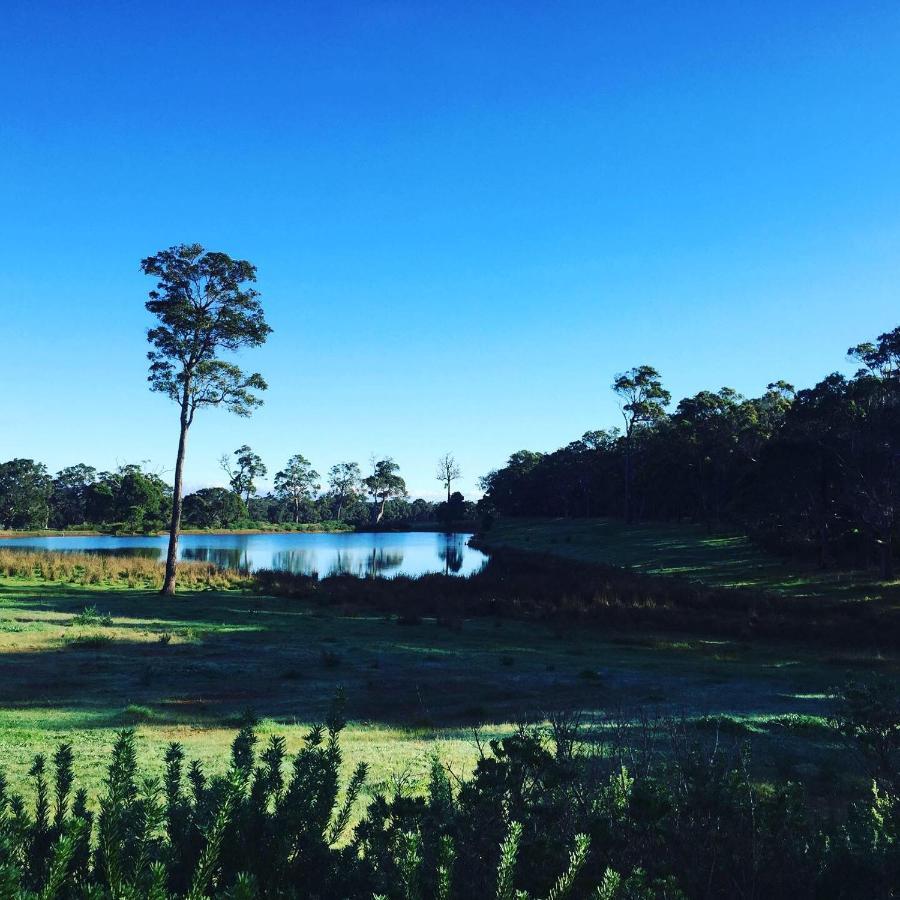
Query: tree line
x=133 y=499
x=813 y=472
x=810 y=471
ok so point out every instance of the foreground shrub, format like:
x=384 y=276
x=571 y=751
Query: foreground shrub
x=542 y=816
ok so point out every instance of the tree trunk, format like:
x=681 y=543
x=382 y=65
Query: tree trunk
x=628 y=481
x=168 y=588
x=887 y=558
x=448 y=493
x=823 y=545
x=381 y=511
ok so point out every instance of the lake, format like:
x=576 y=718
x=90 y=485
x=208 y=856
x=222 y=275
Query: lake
x=362 y=553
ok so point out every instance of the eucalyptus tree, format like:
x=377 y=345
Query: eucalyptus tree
x=345 y=480
x=213 y=507
x=448 y=471
x=643 y=401
x=242 y=474
x=870 y=447
x=384 y=484
x=25 y=488
x=507 y=487
x=68 y=502
x=205 y=305
x=296 y=482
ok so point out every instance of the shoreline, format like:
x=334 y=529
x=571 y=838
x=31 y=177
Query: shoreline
x=465 y=528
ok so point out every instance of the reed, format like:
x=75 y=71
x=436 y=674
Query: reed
x=98 y=569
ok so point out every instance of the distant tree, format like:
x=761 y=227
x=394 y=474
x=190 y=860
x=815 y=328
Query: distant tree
x=448 y=471
x=296 y=483
x=710 y=429
x=870 y=449
x=25 y=488
x=213 y=507
x=140 y=499
x=880 y=359
x=203 y=307
x=507 y=488
x=242 y=474
x=68 y=500
x=422 y=511
x=100 y=500
x=384 y=484
x=265 y=508
x=345 y=480
x=454 y=510
x=643 y=400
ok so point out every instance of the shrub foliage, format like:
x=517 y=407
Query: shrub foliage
x=543 y=815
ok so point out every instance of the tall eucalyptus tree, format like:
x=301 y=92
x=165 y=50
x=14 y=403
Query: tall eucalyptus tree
x=204 y=305
x=643 y=401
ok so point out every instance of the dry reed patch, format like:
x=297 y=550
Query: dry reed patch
x=99 y=569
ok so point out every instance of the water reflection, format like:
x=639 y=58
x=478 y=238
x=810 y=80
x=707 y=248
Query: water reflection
x=135 y=552
x=343 y=564
x=360 y=554
x=299 y=562
x=451 y=552
x=224 y=557
x=384 y=562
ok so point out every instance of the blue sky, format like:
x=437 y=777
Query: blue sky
x=466 y=217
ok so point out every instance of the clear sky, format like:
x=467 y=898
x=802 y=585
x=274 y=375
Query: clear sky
x=467 y=217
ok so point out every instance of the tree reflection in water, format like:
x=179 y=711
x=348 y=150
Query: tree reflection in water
x=451 y=552
x=383 y=561
x=358 y=554
x=224 y=557
x=136 y=552
x=298 y=561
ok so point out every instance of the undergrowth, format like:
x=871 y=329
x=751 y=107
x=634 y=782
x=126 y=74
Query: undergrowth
x=544 y=815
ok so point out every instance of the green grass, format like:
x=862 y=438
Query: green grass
x=687 y=551
x=186 y=669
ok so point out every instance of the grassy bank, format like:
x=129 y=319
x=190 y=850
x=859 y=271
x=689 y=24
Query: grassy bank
x=78 y=662
x=518 y=585
x=685 y=551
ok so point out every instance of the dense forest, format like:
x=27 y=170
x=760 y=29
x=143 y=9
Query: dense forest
x=813 y=472
x=134 y=500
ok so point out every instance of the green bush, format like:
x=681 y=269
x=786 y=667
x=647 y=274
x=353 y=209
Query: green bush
x=541 y=816
x=91 y=616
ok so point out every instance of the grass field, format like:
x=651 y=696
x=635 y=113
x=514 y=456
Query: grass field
x=687 y=551
x=78 y=662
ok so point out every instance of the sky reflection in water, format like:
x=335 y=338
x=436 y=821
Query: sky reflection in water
x=361 y=554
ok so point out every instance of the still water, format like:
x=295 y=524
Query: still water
x=387 y=553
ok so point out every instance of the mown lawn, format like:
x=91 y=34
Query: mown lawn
x=687 y=551
x=187 y=669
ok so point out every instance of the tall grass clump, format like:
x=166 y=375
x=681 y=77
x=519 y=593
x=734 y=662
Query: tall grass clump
x=102 y=569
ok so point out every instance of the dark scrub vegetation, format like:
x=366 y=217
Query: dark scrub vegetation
x=544 y=814
x=521 y=585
